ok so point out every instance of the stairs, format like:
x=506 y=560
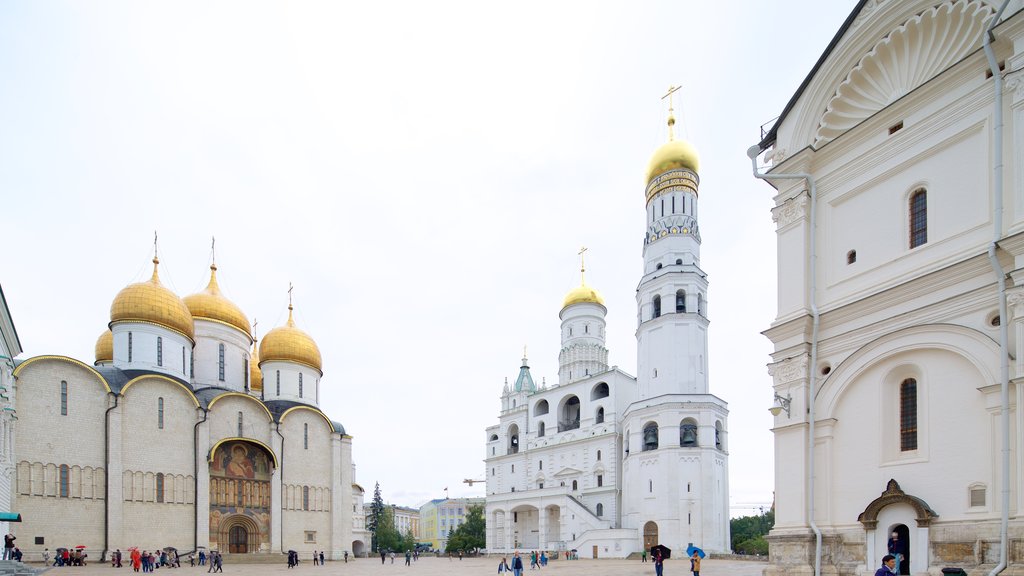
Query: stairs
x=12 y=568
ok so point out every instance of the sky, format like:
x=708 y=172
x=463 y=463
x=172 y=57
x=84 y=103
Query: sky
x=423 y=173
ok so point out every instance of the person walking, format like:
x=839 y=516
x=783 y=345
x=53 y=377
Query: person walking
x=383 y=555
x=695 y=564
x=9 y=546
x=503 y=566
x=888 y=567
x=220 y=563
x=517 y=565
x=316 y=559
x=897 y=548
x=408 y=557
x=643 y=555
x=321 y=557
x=659 y=562
x=346 y=556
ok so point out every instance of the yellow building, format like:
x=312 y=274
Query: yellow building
x=441 y=516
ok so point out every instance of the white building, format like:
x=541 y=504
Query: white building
x=10 y=348
x=603 y=462
x=891 y=327
x=182 y=435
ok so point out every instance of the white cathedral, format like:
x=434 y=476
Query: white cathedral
x=182 y=434
x=899 y=341
x=605 y=463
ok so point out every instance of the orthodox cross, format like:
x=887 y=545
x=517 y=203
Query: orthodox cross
x=583 y=269
x=290 y=287
x=213 y=249
x=671 y=116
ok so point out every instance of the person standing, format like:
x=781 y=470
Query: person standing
x=9 y=546
x=408 y=558
x=898 y=550
x=346 y=556
x=316 y=559
x=695 y=564
x=643 y=555
x=659 y=562
x=321 y=557
x=517 y=565
x=888 y=566
x=46 y=556
x=383 y=555
x=503 y=566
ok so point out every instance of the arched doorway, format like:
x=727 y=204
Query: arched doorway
x=358 y=548
x=240 y=507
x=650 y=535
x=899 y=536
x=239 y=535
x=238 y=540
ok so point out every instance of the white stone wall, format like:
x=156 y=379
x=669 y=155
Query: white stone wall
x=144 y=349
x=209 y=336
x=306 y=465
x=289 y=377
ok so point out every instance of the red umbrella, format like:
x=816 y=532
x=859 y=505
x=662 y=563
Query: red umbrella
x=79 y=547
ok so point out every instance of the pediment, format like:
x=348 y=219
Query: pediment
x=565 y=472
x=915 y=52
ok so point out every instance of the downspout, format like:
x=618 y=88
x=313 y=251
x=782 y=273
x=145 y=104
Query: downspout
x=997 y=232
x=106 y=479
x=753 y=152
x=195 y=477
x=280 y=517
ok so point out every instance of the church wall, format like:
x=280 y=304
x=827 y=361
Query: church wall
x=223 y=419
x=209 y=336
x=298 y=383
x=75 y=440
x=306 y=466
x=147 y=354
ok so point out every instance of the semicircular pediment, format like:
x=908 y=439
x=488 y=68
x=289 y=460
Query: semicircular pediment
x=909 y=56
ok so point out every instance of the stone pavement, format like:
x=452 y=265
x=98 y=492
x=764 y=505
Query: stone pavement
x=439 y=567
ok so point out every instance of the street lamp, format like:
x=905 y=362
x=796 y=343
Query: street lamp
x=781 y=403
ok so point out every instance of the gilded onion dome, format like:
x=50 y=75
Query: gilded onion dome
x=583 y=294
x=672 y=155
x=255 y=374
x=105 y=347
x=210 y=304
x=290 y=344
x=151 y=302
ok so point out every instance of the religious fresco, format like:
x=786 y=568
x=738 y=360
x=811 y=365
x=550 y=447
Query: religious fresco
x=240 y=475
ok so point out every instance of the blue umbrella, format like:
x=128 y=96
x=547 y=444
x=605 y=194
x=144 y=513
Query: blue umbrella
x=692 y=549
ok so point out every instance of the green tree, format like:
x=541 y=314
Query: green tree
x=472 y=534
x=388 y=537
x=374 y=519
x=748 y=533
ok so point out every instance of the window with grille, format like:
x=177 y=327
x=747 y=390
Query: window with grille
x=65 y=481
x=63 y=398
x=129 y=347
x=160 y=487
x=300 y=384
x=305 y=436
x=978 y=497
x=240 y=423
x=918 y=218
x=220 y=363
x=908 y=415
x=160 y=413
x=159 y=351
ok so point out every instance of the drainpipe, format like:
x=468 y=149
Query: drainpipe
x=997 y=232
x=106 y=478
x=752 y=153
x=195 y=477
x=280 y=464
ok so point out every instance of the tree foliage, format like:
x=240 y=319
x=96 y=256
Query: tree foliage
x=472 y=534
x=373 y=521
x=748 y=533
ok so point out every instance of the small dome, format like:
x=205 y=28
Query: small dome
x=672 y=155
x=210 y=304
x=150 y=301
x=583 y=294
x=105 y=347
x=255 y=374
x=290 y=344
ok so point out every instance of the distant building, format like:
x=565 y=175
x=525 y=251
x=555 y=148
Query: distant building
x=441 y=516
x=406 y=519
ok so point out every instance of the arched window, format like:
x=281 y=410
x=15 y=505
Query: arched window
x=245 y=371
x=63 y=398
x=600 y=480
x=160 y=413
x=129 y=347
x=569 y=414
x=688 y=433
x=718 y=435
x=540 y=429
x=300 y=384
x=908 y=415
x=278 y=382
x=305 y=497
x=305 y=436
x=625 y=442
x=598 y=455
x=600 y=416
x=575 y=486
x=700 y=304
x=240 y=424
x=600 y=509
x=650 y=436
x=541 y=408
x=851 y=256
x=182 y=359
x=160 y=487
x=220 y=362
x=159 y=351
x=600 y=391
x=513 y=439
x=655 y=306
x=65 y=481
x=918 y=218
x=680 y=301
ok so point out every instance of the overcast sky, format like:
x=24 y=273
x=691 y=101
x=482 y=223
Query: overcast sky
x=423 y=172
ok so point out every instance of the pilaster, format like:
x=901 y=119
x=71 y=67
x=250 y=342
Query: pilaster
x=276 y=502
x=115 y=479
x=202 y=495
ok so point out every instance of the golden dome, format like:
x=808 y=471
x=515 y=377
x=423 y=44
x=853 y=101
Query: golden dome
x=210 y=304
x=290 y=344
x=672 y=155
x=583 y=294
x=150 y=301
x=105 y=347
x=255 y=374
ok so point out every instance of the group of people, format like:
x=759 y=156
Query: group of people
x=318 y=558
x=897 y=553
x=63 y=557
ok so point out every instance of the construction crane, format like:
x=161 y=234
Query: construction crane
x=471 y=482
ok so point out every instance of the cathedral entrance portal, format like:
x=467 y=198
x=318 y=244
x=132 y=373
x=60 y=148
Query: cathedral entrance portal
x=240 y=510
x=650 y=535
x=238 y=540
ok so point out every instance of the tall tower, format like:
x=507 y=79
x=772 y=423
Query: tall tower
x=676 y=464
x=583 y=332
x=671 y=299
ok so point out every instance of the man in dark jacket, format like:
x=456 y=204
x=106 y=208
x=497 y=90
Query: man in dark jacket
x=517 y=565
x=888 y=566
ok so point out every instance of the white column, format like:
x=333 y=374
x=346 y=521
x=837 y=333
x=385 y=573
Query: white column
x=542 y=528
